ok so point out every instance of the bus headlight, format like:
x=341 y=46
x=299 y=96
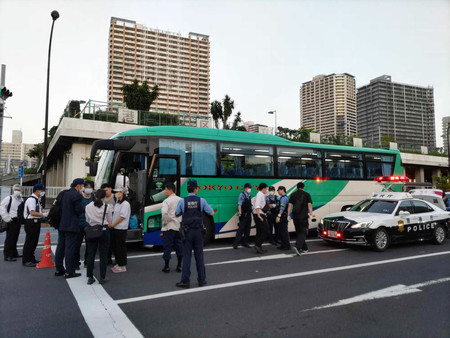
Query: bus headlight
x=361 y=225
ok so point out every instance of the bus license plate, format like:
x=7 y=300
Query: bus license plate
x=331 y=233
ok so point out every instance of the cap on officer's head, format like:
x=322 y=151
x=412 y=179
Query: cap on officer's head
x=281 y=187
x=17 y=187
x=77 y=181
x=192 y=184
x=247 y=185
x=38 y=186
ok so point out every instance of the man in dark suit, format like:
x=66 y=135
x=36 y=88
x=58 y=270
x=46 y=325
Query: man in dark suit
x=68 y=230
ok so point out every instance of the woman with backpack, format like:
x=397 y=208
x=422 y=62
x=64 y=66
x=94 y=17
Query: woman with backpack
x=98 y=213
x=119 y=227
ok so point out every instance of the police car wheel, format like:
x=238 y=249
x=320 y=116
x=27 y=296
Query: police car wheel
x=439 y=235
x=380 y=240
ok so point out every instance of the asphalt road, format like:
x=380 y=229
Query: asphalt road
x=333 y=291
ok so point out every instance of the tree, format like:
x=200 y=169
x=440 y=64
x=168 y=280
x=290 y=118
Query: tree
x=38 y=150
x=442 y=182
x=297 y=135
x=385 y=141
x=216 y=112
x=228 y=106
x=237 y=120
x=138 y=96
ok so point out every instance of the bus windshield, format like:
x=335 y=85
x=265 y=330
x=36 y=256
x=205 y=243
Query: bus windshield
x=381 y=207
x=104 y=167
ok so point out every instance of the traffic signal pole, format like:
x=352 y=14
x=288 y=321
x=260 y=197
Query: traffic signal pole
x=2 y=109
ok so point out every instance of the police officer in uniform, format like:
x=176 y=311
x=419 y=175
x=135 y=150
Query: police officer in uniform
x=245 y=217
x=191 y=207
x=282 y=219
x=271 y=199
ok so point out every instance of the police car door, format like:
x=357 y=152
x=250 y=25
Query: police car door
x=163 y=169
x=403 y=218
x=425 y=225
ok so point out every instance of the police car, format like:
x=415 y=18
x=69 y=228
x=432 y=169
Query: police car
x=384 y=218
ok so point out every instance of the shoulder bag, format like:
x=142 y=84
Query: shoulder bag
x=95 y=231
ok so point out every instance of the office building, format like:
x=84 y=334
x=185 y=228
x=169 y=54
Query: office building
x=178 y=65
x=15 y=153
x=258 y=128
x=328 y=104
x=445 y=131
x=404 y=113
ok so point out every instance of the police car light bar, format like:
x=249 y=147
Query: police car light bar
x=392 y=179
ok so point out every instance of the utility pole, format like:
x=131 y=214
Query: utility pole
x=2 y=110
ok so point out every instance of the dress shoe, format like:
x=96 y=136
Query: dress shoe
x=183 y=285
x=91 y=281
x=235 y=246
x=166 y=269
x=29 y=264
x=178 y=268
x=202 y=283
x=60 y=273
x=35 y=262
x=102 y=281
x=259 y=249
x=246 y=245
x=10 y=259
x=72 y=275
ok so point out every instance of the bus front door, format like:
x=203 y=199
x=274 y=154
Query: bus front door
x=163 y=169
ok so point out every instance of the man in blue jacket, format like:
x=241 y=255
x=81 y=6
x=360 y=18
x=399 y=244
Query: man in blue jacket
x=68 y=230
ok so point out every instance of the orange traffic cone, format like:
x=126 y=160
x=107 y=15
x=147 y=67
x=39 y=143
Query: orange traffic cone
x=46 y=258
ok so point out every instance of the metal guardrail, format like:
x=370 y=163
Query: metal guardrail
x=50 y=192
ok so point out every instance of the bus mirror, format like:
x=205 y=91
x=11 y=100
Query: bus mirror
x=93 y=166
x=142 y=186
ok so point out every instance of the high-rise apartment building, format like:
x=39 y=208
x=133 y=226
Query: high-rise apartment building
x=328 y=104
x=15 y=153
x=178 y=65
x=404 y=113
x=445 y=132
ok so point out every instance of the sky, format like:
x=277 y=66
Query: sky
x=261 y=51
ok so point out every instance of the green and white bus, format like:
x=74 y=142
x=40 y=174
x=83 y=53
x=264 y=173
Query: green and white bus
x=222 y=161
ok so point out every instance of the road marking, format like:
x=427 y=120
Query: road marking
x=270 y=257
x=102 y=314
x=392 y=291
x=273 y=278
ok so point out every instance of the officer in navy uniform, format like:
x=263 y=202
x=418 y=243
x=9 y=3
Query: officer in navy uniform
x=245 y=217
x=271 y=199
x=191 y=207
x=282 y=219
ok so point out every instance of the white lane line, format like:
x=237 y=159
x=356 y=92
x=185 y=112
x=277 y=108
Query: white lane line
x=101 y=313
x=270 y=257
x=273 y=278
x=392 y=291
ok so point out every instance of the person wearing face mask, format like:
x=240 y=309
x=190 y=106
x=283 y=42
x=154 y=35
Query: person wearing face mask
x=9 y=212
x=97 y=212
x=86 y=198
x=245 y=217
x=271 y=200
x=33 y=214
x=119 y=226
x=68 y=230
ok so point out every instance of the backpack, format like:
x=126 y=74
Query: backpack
x=54 y=215
x=299 y=206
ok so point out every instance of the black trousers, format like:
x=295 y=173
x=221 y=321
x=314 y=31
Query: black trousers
x=102 y=244
x=283 y=232
x=66 y=250
x=262 y=229
x=12 y=235
x=301 y=228
x=272 y=225
x=32 y=230
x=119 y=246
x=243 y=232
x=172 y=241
x=81 y=235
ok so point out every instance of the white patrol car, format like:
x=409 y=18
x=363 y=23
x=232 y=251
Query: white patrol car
x=385 y=218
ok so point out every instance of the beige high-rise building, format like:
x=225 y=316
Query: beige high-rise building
x=14 y=153
x=178 y=65
x=328 y=104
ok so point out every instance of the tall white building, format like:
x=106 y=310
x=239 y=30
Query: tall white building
x=328 y=104
x=13 y=153
x=445 y=129
x=178 y=65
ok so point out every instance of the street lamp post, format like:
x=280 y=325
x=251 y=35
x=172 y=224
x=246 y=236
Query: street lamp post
x=55 y=15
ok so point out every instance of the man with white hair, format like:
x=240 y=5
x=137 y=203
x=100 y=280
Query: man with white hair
x=8 y=211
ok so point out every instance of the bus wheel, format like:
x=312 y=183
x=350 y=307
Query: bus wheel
x=439 y=235
x=380 y=240
x=209 y=229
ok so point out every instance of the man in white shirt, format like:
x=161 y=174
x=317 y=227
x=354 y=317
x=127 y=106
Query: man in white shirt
x=171 y=228
x=33 y=214
x=8 y=211
x=259 y=215
x=122 y=180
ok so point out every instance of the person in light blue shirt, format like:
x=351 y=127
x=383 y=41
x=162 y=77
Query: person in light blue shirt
x=191 y=208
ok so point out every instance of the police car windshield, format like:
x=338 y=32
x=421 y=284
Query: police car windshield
x=378 y=206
